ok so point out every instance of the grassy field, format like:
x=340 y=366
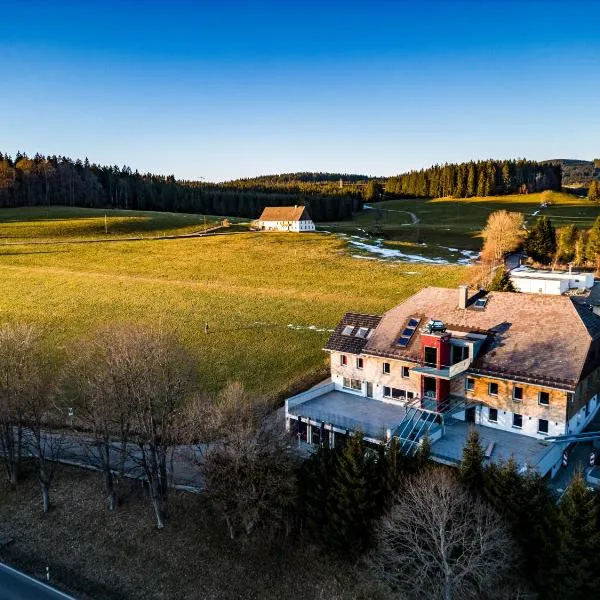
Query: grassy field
x=269 y=299
x=60 y=223
x=95 y=554
x=448 y=222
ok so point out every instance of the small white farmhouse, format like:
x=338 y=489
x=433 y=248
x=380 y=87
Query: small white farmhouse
x=286 y=218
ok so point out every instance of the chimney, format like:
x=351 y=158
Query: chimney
x=463 y=296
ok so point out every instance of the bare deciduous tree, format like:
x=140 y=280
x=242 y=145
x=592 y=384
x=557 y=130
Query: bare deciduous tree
x=502 y=233
x=248 y=467
x=438 y=541
x=101 y=381
x=19 y=381
x=161 y=374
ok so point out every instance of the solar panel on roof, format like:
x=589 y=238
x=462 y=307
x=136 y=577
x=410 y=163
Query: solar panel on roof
x=408 y=332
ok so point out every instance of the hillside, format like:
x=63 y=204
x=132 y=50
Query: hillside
x=302 y=177
x=434 y=227
x=576 y=172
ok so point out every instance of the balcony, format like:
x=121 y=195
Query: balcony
x=444 y=372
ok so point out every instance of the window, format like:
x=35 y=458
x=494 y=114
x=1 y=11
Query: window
x=362 y=332
x=359 y=363
x=405 y=371
x=386 y=368
x=493 y=415
x=544 y=398
x=352 y=384
x=517 y=393
x=343 y=360
x=430 y=357
x=480 y=303
x=458 y=354
x=410 y=395
x=470 y=384
x=542 y=426
x=493 y=389
x=348 y=330
x=517 y=421
x=396 y=393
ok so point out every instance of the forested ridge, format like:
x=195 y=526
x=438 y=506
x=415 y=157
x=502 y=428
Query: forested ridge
x=481 y=178
x=58 y=180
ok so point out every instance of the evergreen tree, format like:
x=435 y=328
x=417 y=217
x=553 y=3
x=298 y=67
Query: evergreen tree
x=471 y=180
x=565 y=242
x=540 y=244
x=531 y=511
x=592 y=251
x=581 y=542
x=501 y=281
x=355 y=499
x=579 y=254
x=594 y=191
x=471 y=466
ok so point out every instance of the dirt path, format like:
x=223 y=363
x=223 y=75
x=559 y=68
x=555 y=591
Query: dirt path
x=415 y=220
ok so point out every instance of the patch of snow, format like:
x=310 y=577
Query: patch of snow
x=389 y=253
x=309 y=328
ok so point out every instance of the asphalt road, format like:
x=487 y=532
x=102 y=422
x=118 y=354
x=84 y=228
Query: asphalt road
x=18 y=586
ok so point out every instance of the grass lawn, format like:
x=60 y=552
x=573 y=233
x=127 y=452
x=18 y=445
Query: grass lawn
x=60 y=223
x=93 y=553
x=451 y=222
x=250 y=287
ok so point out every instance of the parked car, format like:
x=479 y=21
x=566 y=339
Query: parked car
x=592 y=477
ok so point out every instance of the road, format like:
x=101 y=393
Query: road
x=79 y=450
x=15 y=585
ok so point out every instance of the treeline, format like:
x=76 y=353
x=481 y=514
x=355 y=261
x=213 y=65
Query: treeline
x=58 y=180
x=482 y=178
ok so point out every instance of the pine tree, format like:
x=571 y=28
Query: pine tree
x=540 y=244
x=501 y=281
x=353 y=503
x=594 y=191
x=471 y=180
x=566 y=240
x=580 y=248
x=592 y=251
x=471 y=466
x=581 y=541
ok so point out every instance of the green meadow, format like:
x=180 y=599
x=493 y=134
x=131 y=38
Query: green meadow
x=451 y=222
x=269 y=298
x=60 y=223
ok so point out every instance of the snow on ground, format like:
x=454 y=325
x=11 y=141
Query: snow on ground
x=378 y=251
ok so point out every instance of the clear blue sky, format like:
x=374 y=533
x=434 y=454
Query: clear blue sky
x=232 y=89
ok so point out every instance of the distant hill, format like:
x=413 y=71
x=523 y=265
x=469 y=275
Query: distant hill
x=301 y=177
x=575 y=171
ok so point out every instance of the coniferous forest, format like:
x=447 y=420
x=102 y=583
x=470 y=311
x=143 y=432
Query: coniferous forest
x=481 y=178
x=58 y=180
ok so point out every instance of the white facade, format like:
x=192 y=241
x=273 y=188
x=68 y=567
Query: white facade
x=539 y=281
x=295 y=226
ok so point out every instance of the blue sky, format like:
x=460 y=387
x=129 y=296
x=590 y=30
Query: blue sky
x=231 y=89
